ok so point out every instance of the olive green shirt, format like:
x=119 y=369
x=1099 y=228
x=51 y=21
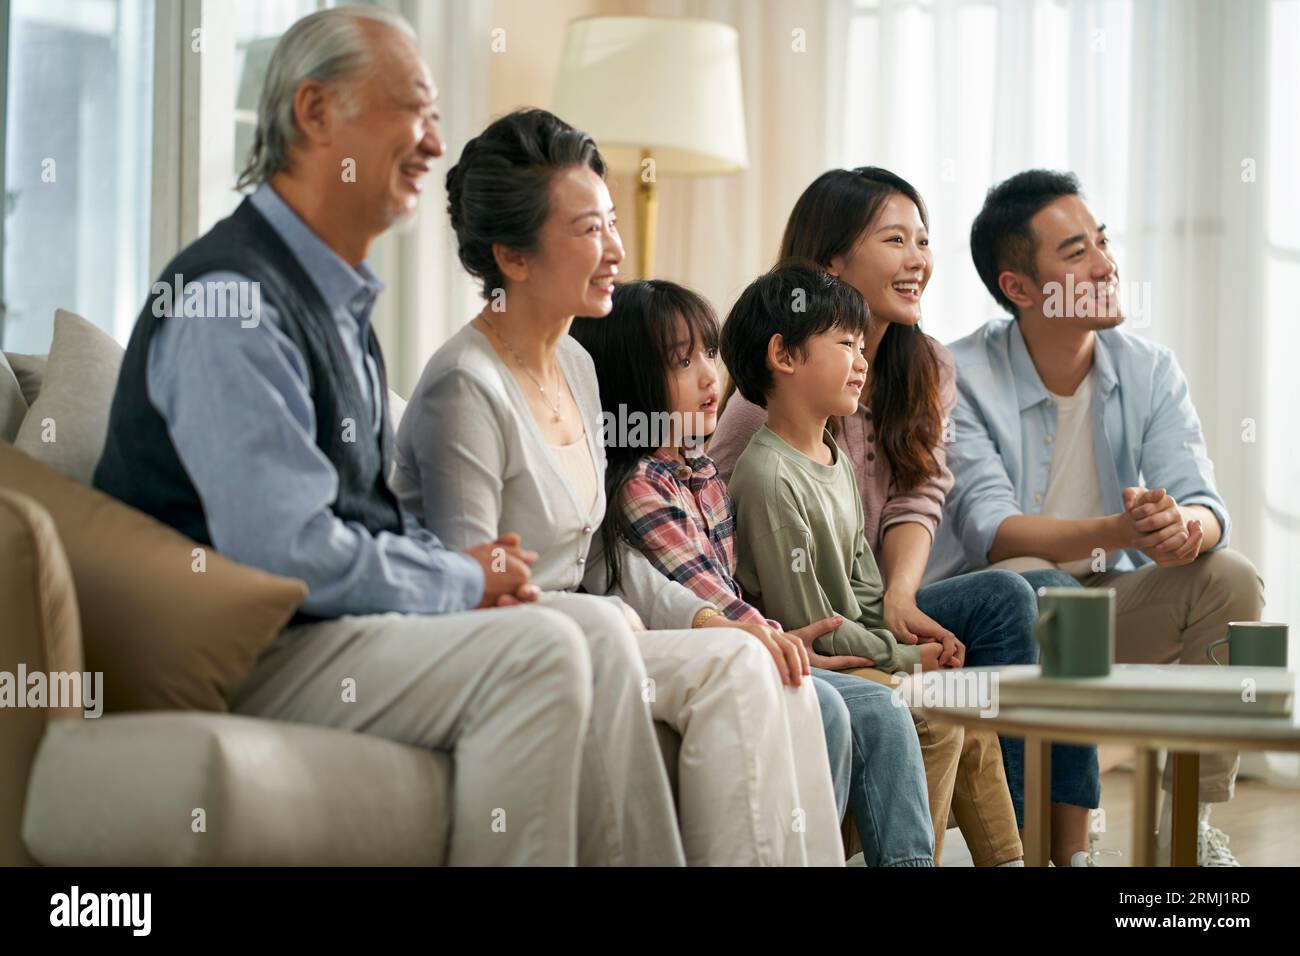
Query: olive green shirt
x=802 y=553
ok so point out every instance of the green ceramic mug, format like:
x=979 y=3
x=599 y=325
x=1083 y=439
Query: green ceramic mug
x=1075 y=631
x=1253 y=644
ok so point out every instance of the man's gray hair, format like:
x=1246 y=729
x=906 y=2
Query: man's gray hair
x=328 y=46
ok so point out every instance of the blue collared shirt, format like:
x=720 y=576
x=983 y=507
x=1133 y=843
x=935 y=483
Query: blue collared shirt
x=1145 y=432
x=235 y=397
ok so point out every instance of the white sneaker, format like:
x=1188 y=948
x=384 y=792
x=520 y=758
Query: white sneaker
x=1083 y=858
x=1212 y=843
x=1094 y=845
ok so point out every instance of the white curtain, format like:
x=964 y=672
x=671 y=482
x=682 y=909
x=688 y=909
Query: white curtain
x=1162 y=107
x=428 y=295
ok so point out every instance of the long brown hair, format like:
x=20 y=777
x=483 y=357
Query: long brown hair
x=906 y=406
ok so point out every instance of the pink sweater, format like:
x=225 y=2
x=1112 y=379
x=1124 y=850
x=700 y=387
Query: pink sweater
x=883 y=505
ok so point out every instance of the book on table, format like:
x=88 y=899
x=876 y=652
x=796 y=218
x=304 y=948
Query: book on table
x=1239 y=691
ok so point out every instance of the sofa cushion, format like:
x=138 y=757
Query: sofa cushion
x=66 y=425
x=38 y=631
x=170 y=624
x=30 y=372
x=13 y=405
x=124 y=791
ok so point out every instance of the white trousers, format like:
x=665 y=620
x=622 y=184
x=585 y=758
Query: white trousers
x=754 y=780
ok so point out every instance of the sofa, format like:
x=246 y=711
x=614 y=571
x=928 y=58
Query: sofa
x=164 y=787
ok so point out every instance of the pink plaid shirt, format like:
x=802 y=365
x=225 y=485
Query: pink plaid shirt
x=687 y=529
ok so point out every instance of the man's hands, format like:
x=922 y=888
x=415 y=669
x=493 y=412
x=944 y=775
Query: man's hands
x=1153 y=523
x=910 y=625
x=505 y=572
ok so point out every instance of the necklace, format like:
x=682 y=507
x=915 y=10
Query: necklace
x=553 y=406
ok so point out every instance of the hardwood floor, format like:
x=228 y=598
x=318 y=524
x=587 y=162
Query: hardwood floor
x=1262 y=822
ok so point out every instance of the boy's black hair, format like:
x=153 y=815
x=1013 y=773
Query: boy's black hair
x=797 y=300
x=1000 y=237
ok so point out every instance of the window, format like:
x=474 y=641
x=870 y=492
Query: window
x=77 y=163
x=257 y=27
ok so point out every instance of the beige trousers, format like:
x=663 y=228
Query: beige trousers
x=524 y=700
x=1170 y=616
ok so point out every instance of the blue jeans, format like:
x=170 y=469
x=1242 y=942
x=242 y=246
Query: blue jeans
x=839 y=744
x=992 y=613
x=887 y=792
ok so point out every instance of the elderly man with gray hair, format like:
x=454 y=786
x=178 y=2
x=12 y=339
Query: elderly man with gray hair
x=270 y=440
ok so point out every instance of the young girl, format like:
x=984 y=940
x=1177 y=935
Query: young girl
x=655 y=357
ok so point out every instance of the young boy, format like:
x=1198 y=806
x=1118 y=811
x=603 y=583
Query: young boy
x=793 y=344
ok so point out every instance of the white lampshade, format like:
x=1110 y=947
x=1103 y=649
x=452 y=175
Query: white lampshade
x=670 y=86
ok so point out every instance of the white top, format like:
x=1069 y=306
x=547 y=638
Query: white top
x=577 y=464
x=1074 y=482
x=472 y=464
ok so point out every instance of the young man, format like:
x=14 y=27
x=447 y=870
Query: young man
x=268 y=437
x=1078 y=456
x=794 y=344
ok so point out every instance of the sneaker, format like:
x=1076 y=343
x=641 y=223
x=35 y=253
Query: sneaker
x=1094 y=847
x=1212 y=843
x=1083 y=858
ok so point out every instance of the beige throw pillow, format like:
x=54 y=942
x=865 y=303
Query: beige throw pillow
x=172 y=625
x=66 y=425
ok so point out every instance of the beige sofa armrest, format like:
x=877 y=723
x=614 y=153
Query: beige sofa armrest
x=185 y=788
x=40 y=630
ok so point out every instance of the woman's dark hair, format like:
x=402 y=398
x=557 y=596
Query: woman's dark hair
x=633 y=349
x=906 y=405
x=797 y=300
x=1000 y=237
x=499 y=189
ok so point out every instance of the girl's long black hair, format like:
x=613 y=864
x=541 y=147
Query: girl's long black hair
x=633 y=349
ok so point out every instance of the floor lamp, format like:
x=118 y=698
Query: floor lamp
x=661 y=96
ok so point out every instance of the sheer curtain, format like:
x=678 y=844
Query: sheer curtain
x=428 y=295
x=1179 y=118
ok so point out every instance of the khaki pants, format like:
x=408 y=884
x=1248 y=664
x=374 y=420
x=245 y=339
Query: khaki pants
x=1170 y=616
x=555 y=757
x=964 y=777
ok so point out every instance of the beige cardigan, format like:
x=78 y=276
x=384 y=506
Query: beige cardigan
x=472 y=464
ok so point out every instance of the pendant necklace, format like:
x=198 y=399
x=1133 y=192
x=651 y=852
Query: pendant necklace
x=555 y=408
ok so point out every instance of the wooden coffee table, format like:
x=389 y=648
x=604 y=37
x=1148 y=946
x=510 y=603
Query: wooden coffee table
x=1184 y=735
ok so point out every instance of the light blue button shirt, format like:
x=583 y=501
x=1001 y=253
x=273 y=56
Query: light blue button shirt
x=235 y=397
x=1145 y=432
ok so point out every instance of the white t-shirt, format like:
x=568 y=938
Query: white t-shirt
x=1073 y=483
